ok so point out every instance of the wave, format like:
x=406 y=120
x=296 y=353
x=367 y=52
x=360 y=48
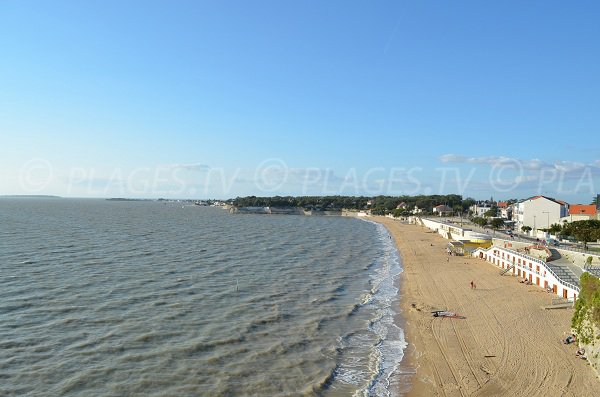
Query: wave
x=206 y=346
x=368 y=356
x=325 y=320
x=324 y=384
x=257 y=325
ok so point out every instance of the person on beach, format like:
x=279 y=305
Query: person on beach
x=472 y=284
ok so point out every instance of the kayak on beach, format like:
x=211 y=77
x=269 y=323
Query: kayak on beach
x=445 y=313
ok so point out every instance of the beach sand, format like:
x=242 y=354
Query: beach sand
x=507 y=345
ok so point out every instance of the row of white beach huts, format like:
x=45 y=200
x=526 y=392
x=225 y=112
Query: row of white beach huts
x=530 y=262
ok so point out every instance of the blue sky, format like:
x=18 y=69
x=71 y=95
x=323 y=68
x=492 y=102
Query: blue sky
x=219 y=99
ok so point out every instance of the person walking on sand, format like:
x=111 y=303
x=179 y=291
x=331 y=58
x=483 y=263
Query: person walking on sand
x=472 y=284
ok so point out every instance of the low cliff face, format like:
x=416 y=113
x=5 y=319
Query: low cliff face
x=282 y=211
x=586 y=319
x=250 y=210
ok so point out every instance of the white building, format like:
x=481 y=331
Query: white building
x=442 y=210
x=505 y=210
x=480 y=208
x=535 y=270
x=539 y=212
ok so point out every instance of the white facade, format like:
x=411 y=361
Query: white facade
x=539 y=212
x=480 y=209
x=454 y=232
x=442 y=209
x=577 y=217
x=506 y=212
x=530 y=268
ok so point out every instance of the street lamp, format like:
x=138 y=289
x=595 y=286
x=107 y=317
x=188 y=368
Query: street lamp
x=548 y=214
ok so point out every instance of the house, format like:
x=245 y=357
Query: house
x=416 y=210
x=581 y=212
x=480 y=208
x=402 y=206
x=505 y=210
x=442 y=210
x=539 y=212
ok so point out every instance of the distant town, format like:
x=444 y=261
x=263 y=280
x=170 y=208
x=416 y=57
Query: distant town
x=529 y=216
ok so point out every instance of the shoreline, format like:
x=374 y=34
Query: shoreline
x=507 y=345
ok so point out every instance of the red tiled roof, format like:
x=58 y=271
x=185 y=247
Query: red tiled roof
x=502 y=204
x=582 y=209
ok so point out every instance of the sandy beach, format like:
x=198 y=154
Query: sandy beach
x=507 y=345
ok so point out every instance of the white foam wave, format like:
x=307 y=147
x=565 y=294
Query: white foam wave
x=373 y=376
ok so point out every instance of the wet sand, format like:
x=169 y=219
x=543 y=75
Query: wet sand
x=507 y=345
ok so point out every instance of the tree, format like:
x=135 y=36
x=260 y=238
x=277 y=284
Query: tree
x=585 y=235
x=497 y=223
x=467 y=203
x=584 y=231
x=526 y=229
x=397 y=213
x=491 y=212
x=554 y=228
x=480 y=221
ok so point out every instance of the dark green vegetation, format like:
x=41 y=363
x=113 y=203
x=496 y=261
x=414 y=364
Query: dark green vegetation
x=480 y=221
x=496 y=223
x=587 y=309
x=584 y=231
x=379 y=205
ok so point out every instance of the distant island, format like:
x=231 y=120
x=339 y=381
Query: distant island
x=41 y=196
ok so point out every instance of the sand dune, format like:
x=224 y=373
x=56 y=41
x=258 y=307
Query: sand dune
x=507 y=345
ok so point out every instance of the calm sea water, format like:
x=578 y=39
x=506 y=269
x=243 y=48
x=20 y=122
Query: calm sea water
x=105 y=298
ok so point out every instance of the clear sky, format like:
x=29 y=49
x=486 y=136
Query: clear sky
x=223 y=98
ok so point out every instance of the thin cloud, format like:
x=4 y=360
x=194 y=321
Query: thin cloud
x=529 y=165
x=569 y=166
x=197 y=167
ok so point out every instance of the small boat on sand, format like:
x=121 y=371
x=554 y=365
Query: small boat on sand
x=445 y=313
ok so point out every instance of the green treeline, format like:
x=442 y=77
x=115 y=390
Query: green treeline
x=586 y=231
x=379 y=205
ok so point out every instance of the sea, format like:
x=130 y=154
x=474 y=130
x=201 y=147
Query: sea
x=149 y=298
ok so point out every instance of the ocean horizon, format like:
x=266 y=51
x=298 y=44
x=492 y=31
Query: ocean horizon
x=149 y=298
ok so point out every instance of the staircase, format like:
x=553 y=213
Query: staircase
x=563 y=273
x=594 y=270
x=504 y=271
x=561 y=269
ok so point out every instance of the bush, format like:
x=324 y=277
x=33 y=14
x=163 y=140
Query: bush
x=587 y=308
